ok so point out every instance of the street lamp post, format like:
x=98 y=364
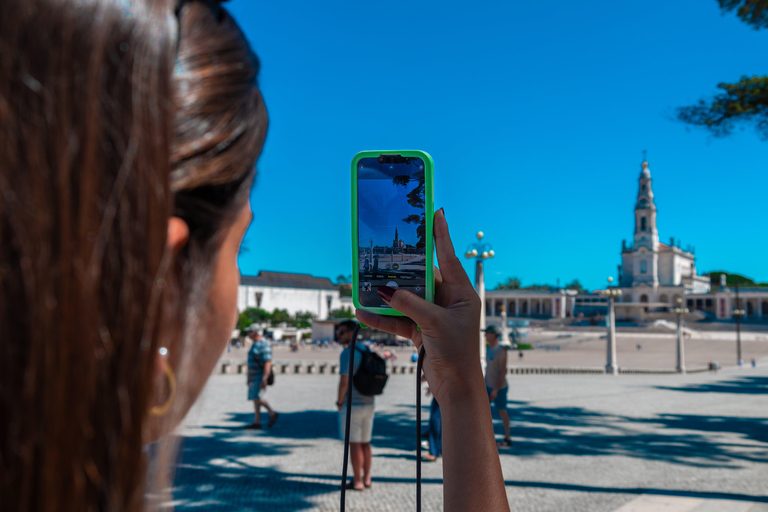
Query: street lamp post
x=680 y=311
x=738 y=313
x=610 y=365
x=504 y=332
x=480 y=251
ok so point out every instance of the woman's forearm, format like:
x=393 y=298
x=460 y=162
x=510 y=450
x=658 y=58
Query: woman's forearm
x=472 y=478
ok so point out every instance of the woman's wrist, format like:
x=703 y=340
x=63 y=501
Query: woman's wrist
x=462 y=390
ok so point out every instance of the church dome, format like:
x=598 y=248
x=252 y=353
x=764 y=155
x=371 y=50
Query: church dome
x=646 y=173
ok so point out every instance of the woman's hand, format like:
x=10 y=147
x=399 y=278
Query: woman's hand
x=450 y=327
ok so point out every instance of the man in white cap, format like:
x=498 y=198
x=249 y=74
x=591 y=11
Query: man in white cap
x=496 y=379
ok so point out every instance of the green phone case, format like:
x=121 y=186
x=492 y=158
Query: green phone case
x=429 y=206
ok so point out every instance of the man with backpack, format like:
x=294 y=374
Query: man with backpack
x=368 y=379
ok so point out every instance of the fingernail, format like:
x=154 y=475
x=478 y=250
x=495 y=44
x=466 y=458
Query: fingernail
x=386 y=292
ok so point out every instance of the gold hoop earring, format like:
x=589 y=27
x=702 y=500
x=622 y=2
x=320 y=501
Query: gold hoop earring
x=160 y=410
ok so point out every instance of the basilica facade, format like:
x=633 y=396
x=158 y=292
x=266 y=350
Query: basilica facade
x=652 y=271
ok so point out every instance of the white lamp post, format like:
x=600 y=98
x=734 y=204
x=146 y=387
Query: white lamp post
x=680 y=311
x=611 y=294
x=480 y=251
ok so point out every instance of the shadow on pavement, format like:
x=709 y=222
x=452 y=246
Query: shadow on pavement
x=741 y=386
x=213 y=471
x=680 y=439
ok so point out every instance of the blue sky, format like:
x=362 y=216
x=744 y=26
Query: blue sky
x=536 y=115
x=383 y=206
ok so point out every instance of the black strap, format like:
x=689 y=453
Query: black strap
x=348 y=418
x=418 y=428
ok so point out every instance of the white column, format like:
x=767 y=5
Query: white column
x=552 y=308
x=517 y=307
x=611 y=368
x=680 y=349
x=480 y=287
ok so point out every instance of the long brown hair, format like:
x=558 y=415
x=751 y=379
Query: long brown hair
x=114 y=115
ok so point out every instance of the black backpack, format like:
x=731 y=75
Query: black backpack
x=371 y=375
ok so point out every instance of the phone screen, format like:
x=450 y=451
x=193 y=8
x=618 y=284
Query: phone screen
x=391 y=226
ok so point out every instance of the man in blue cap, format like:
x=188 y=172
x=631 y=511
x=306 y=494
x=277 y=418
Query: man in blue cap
x=496 y=378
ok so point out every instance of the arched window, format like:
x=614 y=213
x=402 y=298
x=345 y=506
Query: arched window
x=627 y=297
x=643 y=267
x=643 y=298
x=664 y=298
x=643 y=223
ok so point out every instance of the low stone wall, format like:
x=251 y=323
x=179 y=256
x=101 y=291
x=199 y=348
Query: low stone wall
x=325 y=367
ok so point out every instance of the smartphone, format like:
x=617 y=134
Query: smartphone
x=392 y=214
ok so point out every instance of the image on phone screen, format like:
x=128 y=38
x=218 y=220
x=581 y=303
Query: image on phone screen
x=391 y=226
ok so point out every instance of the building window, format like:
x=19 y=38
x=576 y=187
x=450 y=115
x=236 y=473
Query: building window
x=643 y=267
x=643 y=223
x=708 y=303
x=643 y=298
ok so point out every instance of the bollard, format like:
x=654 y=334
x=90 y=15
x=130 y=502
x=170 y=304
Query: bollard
x=242 y=368
x=297 y=368
x=322 y=368
x=284 y=368
x=225 y=368
x=310 y=368
x=334 y=368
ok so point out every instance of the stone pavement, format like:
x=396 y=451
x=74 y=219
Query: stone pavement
x=592 y=443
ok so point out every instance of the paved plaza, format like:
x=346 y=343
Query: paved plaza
x=582 y=349
x=591 y=443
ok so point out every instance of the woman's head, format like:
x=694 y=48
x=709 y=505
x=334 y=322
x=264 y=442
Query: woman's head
x=129 y=131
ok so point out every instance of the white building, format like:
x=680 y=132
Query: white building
x=722 y=303
x=653 y=272
x=293 y=292
x=554 y=303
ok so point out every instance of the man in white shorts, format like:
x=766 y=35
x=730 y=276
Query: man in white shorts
x=361 y=420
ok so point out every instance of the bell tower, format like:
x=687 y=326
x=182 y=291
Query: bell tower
x=646 y=267
x=646 y=233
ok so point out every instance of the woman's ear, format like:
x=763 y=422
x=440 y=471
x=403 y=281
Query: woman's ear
x=178 y=235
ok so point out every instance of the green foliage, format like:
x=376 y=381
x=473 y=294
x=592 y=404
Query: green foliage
x=741 y=103
x=252 y=316
x=257 y=315
x=415 y=199
x=243 y=321
x=543 y=286
x=751 y=12
x=342 y=313
x=576 y=285
x=302 y=320
x=280 y=316
x=512 y=283
x=342 y=279
x=732 y=279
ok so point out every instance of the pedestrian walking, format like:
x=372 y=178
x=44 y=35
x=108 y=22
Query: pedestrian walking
x=259 y=370
x=435 y=432
x=496 y=379
x=361 y=421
